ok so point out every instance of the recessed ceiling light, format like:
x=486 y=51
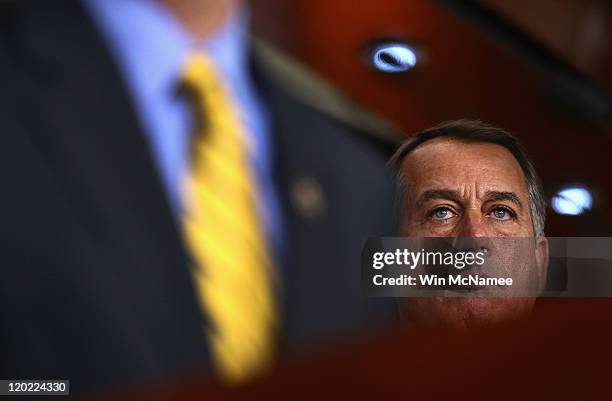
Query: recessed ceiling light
x=393 y=57
x=572 y=201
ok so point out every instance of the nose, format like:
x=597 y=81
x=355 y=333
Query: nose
x=472 y=225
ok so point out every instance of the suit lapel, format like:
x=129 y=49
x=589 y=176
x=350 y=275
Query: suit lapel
x=335 y=192
x=297 y=180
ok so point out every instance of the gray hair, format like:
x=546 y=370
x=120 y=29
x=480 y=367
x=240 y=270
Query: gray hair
x=476 y=131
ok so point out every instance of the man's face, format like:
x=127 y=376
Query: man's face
x=467 y=189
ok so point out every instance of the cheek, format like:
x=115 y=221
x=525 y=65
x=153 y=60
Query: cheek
x=424 y=228
x=514 y=228
x=506 y=230
x=405 y=225
x=409 y=224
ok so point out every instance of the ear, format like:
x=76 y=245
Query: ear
x=541 y=254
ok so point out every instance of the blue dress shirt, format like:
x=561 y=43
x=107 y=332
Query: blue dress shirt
x=150 y=46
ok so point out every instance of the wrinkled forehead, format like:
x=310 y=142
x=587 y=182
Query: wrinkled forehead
x=462 y=166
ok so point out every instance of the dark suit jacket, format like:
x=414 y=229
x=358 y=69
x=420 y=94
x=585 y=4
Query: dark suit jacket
x=95 y=286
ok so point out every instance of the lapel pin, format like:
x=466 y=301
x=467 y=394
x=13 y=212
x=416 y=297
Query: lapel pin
x=307 y=196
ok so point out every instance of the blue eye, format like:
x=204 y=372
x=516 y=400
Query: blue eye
x=501 y=213
x=441 y=213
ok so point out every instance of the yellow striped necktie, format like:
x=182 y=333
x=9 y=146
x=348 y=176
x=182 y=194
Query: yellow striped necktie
x=232 y=267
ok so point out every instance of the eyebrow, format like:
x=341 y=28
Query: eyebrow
x=493 y=196
x=438 y=194
x=490 y=196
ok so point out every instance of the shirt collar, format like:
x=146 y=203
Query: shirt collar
x=151 y=45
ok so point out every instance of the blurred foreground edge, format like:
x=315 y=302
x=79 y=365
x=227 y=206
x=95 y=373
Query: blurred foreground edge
x=563 y=352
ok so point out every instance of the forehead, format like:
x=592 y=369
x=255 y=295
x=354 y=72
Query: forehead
x=454 y=164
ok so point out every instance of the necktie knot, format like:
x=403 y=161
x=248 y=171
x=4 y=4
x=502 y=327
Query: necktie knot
x=217 y=119
x=200 y=75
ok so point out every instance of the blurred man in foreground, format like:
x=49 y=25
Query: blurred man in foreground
x=467 y=179
x=174 y=201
